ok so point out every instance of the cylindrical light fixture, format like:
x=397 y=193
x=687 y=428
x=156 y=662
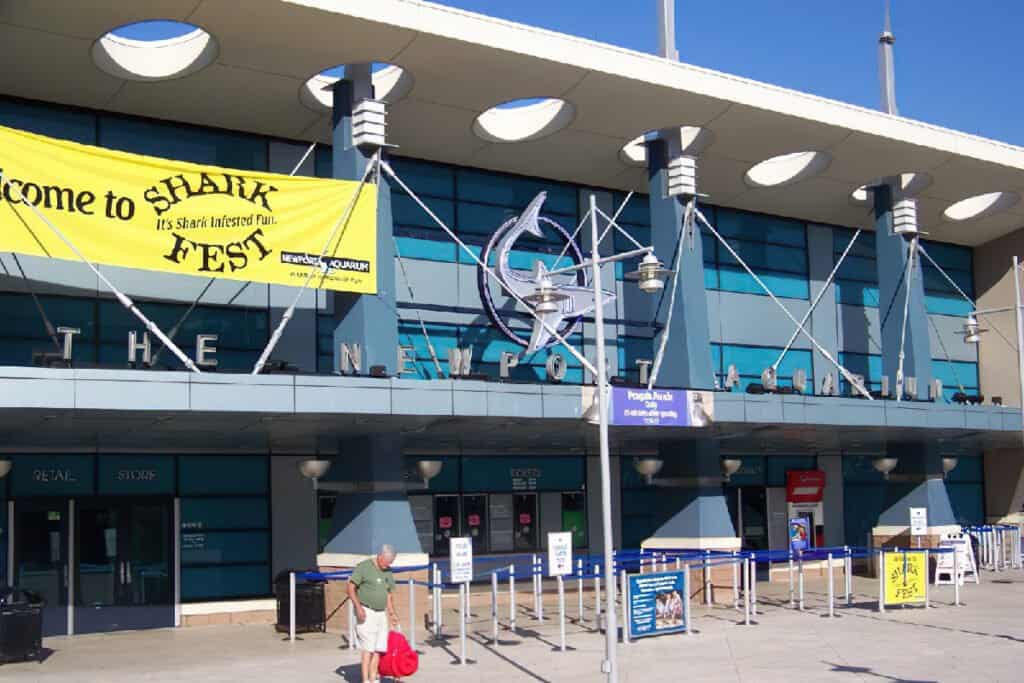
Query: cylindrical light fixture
x=5 y=467
x=972 y=330
x=949 y=464
x=428 y=469
x=730 y=466
x=650 y=274
x=885 y=465
x=648 y=467
x=314 y=468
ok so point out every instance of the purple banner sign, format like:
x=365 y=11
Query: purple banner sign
x=659 y=407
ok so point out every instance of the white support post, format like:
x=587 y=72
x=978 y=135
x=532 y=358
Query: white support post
x=735 y=581
x=439 y=581
x=597 y=597
x=623 y=581
x=579 y=590
x=561 y=611
x=536 y=591
x=746 y=591
x=956 y=577
x=707 y=577
x=686 y=599
x=792 y=586
x=848 y=575
x=412 y=613
x=753 y=584
x=881 y=580
x=512 y=598
x=540 y=590
x=291 y=606
x=831 y=589
x=494 y=608
x=462 y=623
x=927 y=579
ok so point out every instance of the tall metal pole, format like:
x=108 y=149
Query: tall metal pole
x=1020 y=331
x=610 y=664
x=667 y=30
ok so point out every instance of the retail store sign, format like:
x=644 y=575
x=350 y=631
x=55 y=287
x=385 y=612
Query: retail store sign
x=805 y=486
x=461 y=553
x=661 y=407
x=525 y=478
x=560 y=553
x=655 y=604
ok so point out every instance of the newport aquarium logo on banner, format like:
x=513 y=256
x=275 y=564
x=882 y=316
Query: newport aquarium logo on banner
x=570 y=295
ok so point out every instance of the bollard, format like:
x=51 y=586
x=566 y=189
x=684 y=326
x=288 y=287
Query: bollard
x=440 y=603
x=494 y=607
x=735 y=582
x=927 y=580
x=580 y=591
x=625 y=608
x=746 y=591
x=291 y=606
x=512 y=598
x=881 y=580
x=707 y=577
x=792 y=602
x=540 y=591
x=435 y=594
x=686 y=599
x=848 y=574
x=561 y=610
x=597 y=597
x=678 y=561
x=956 y=578
x=462 y=624
x=831 y=589
x=533 y=577
x=412 y=614
x=351 y=625
x=753 y=584
x=800 y=571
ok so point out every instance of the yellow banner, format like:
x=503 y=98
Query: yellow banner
x=143 y=212
x=905 y=575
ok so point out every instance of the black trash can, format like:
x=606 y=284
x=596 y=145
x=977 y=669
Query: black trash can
x=310 y=610
x=21 y=625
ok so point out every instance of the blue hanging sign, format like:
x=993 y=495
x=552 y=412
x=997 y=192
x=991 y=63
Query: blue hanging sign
x=656 y=604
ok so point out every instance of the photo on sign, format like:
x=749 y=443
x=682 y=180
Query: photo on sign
x=669 y=610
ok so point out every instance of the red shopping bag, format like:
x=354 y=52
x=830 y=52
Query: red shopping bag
x=400 y=659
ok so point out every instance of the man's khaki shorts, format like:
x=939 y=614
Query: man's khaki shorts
x=372 y=634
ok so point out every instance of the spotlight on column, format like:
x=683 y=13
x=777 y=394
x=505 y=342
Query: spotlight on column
x=5 y=468
x=428 y=469
x=314 y=468
x=647 y=467
x=949 y=464
x=369 y=124
x=650 y=274
x=904 y=217
x=730 y=466
x=972 y=331
x=885 y=465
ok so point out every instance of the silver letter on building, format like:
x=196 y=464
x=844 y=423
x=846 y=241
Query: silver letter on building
x=645 y=369
x=732 y=377
x=205 y=349
x=828 y=385
x=350 y=357
x=508 y=361
x=800 y=380
x=68 y=333
x=556 y=367
x=459 y=361
x=405 y=356
x=134 y=346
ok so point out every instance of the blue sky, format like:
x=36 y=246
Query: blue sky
x=958 y=62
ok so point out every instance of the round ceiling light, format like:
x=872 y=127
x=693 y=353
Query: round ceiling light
x=390 y=84
x=911 y=185
x=694 y=138
x=787 y=169
x=981 y=205
x=154 y=50
x=524 y=120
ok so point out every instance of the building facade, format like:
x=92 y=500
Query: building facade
x=140 y=495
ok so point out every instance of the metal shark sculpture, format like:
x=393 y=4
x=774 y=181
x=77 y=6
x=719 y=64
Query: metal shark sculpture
x=552 y=302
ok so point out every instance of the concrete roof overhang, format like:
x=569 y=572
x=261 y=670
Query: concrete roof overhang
x=107 y=410
x=463 y=64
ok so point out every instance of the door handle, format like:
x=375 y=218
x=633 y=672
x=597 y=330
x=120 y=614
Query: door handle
x=120 y=568
x=128 y=571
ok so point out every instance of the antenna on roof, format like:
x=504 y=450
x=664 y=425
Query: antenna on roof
x=886 y=70
x=667 y=30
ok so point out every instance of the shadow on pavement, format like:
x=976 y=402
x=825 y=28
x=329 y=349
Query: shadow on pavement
x=866 y=671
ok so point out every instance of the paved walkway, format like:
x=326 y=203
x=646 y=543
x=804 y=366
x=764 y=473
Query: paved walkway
x=982 y=641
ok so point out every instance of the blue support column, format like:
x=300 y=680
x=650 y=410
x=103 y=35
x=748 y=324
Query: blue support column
x=370 y=321
x=693 y=512
x=891 y=256
x=917 y=481
x=379 y=511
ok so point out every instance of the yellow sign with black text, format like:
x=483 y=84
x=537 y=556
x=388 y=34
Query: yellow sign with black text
x=136 y=211
x=905 y=576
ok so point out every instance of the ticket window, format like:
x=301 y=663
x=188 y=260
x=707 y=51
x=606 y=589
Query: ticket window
x=446 y=522
x=524 y=521
x=474 y=521
x=501 y=522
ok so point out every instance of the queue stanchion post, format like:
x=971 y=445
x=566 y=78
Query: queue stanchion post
x=753 y=584
x=435 y=597
x=707 y=577
x=800 y=576
x=494 y=607
x=927 y=579
x=540 y=590
x=351 y=613
x=848 y=574
x=412 y=613
x=625 y=608
x=579 y=590
x=561 y=611
x=746 y=591
x=735 y=581
x=597 y=597
x=956 y=578
x=512 y=598
x=831 y=588
x=881 y=580
x=686 y=599
x=291 y=606
x=533 y=578
x=462 y=623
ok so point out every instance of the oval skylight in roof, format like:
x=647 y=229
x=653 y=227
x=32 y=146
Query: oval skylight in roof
x=694 y=138
x=524 y=120
x=981 y=205
x=912 y=184
x=786 y=169
x=155 y=50
x=390 y=84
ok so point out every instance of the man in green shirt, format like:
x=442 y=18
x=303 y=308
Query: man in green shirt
x=370 y=588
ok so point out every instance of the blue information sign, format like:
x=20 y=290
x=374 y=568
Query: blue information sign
x=656 y=604
x=660 y=407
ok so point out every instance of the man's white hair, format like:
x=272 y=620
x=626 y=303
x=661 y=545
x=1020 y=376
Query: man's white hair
x=387 y=551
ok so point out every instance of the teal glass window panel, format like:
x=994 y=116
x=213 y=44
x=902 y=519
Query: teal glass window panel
x=406 y=213
x=969 y=469
x=443 y=251
x=224 y=547
x=934 y=281
x=184 y=143
x=323 y=161
x=946 y=304
x=968 y=502
x=222 y=474
x=950 y=256
x=215 y=583
x=857 y=268
x=424 y=178
x=853 y=293
x=860 y=469
x=710 y=277
x=760 y=228
x=514 y=191
x=734 y=279
x=45 y=119
x=950 y=372
x=776 y=467
x=636 y=212
x=762 y=256
x=201 y=514
x=864 y=247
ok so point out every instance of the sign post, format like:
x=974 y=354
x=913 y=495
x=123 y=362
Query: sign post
x=918 y=524
x=560 y=566
x=461 y=573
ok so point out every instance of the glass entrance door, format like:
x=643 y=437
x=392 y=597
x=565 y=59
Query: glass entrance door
x=124 y=565
x=524 y=518
x=41 y=557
